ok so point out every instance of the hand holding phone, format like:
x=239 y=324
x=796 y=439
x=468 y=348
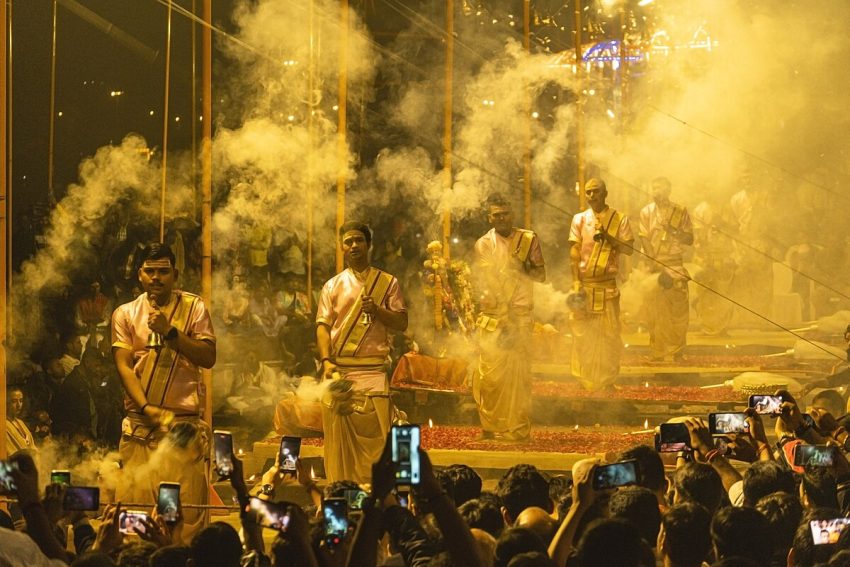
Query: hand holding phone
x=827 y=531
x=405 y=453
x=614 y=475
x=7 y=481
x=290 y=449
x=766 y=405
x=273 y=515
x=168 y=502
x=132 y=521
x=674 y=437
x=223 y=452
x=814 y=455
x=728 y=423
x=82 y=498
x=335 y=519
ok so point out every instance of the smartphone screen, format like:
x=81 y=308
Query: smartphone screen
x=60 y=477
x=130 y=521
x=828 y=531
x=85 y=498
x=405 y=441
x=403 y=498
x=674 y=437
x=335 y=512
x=273 y=515
x=813 y=456
x=354 y=498
x=614 y=475
x=7 y=483
x=223 y=450
x=168 y=502
x=766 y=405
x=290 y=448
x=725 y=423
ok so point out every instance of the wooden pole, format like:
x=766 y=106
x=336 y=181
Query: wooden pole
x=3 y=213
x=342 y=149
x=526 y=161
x=165 y=125
x=579 y=108
x=51 y=196
x=206 y=186
x=194 y=120
x=311 y=85
x=447 y=123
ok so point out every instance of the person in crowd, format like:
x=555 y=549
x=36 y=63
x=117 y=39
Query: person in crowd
x=18 y=435
x=73 y=409
x=783 y=513
x=741 y=532
x=508 y=261
x=698 y=483
x=460 y=482
x=521 y=487
x=357 y=310
x=665 y=229
x=652 y=470
x=639 y=506
x=684 y=539
x=161 y=384
x=598 y=237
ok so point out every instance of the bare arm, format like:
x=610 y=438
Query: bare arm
x=536 y=273
x=575 y=263
x=394 y=320
x=124 y=364
x=583 y=496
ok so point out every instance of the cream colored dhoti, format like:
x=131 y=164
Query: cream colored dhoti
x=668 y=313
x=502 y=387
x=597 y=346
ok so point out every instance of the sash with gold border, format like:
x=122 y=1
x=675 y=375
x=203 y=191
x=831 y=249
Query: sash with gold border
x=353 y=329
x=521 y=243
x=601 y=253
x=159 y=365
x=659 y=239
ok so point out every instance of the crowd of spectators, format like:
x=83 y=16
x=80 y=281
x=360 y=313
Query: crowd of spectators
x=746 y=505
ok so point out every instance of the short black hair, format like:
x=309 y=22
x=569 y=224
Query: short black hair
x=497 y=200
x=514 y=541
x=637 y=505
x=460 y=482
x=337 y=488
x=613 y=542
x=699 y=483
x=217 y=545
x=820 y=487
x=157 y=251
x=171 y=556
x=783 y=512
x=531 y=559
x=521 y=487
x=484 y=515
x=359 y=226
x=831 y=400
x=741 y=532
x=766 y=477
x=687 y=533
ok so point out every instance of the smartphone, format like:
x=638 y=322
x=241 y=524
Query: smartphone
x=766 y=405
x=168 y=502
x=725 y=423
x=273 y=515
x=614 y=475
x=335 y=512
x=82 y=498
x=814 y=456
x=827 y=531
x=403 y=498
x=7 y=483
x=130 y=521
x=354 y=498
x=674 y=437
x=290 y=448
x=405 y=442
x=223 y=451
x=60 y=477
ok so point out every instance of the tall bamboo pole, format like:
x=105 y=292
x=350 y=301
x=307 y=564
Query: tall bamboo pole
x=526 y=161
x=194 y=120
x=206 y=185
x=9 y=177
x=51 y=198
x=447 y=122
x=165 y=125
x=342 y=149
x=3 y=212
x=311 y=86
x=579 y=108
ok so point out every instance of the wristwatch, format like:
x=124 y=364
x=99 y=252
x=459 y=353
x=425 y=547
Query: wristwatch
x=171 y=334
x=267 y=489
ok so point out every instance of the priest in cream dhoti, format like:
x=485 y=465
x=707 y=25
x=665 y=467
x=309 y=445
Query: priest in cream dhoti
x=508 y=261
x=160 y=341
x=357 y=310
x=665 y=231
x=598 y=236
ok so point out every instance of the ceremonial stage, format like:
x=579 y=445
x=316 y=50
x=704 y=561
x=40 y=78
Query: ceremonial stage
x=571 y=423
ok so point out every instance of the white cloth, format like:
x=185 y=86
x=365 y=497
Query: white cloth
x=17 y=549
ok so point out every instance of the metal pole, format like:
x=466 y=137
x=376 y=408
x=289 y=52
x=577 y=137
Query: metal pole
x=526 y=161
x=51 y=198
x=3 y=213
x=206 y=187
x=579 y=108
x=165 y=125
x=447 y=122
x=342 y=150
x=311 y=78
